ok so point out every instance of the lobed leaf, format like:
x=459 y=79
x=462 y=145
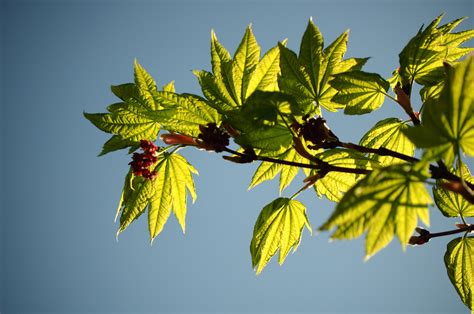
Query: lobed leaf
x=334 y=184
x=388 y=134
x=131 y=123
x=453 y=204
x=360 y=92
x=447 y=123
x=161 y=195
x=246 y=59
x=422 y=58
x=459 y=261
x=117 y=143
x=184 y=113
x=278 y=227
x=146 y=86
x=387 y=201
x=268 y=170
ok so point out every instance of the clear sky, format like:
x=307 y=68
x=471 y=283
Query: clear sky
x=58 y=247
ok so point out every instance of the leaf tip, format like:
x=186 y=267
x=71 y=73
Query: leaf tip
x=367 y=257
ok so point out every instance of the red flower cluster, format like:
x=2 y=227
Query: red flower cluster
x=141 y=162
x=316 y=131
x=213 y=138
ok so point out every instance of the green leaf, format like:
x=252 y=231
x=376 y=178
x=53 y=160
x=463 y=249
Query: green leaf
x=220 y=58
x=453 y=204
x=459 y=261
x=307 y=77
x=388 y=134
x=161 y=195
x=278 y=227
x=294 y=80
x=387 y=201
x=216 y=93
x=269 y=170
x=246 y=59
x=169 y=87
x=146 y=85
x=422 y=58
x=126 y=92
x=433 y=92
x=311 y=54
x=184 y=113
x=131 y=122
x=447 y=123
x=135 y=199
x=267 y=138
x=117 y=143
x=265 y=77
x=360 y=92
x=334 y=184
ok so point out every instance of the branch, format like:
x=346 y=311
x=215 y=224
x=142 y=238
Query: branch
x=382 y=151
x=319 y=164
x=425 y=236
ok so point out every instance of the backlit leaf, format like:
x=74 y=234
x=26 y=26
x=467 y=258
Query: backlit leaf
x=117 y=143
x=184 y=113
x=459 y=261
x=269 y=170
x=146 y=85
x=387 y=201
x=131 y=123
x=246 y=59
x=360 y=92
x=453 y=204
x=422 y=58
x=334 y=184
x=161 y=195
x=265 y=76
x=388 y=133
x=447 y=123
x=278 y=227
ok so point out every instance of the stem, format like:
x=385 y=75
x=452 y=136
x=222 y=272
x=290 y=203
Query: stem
x=425 y=236
x=466 y=229
x=382 y=151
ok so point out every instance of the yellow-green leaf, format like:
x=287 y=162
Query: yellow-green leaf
x=388 y=134
x=387 y=201
x=334 y=184
x=453 y=204
x=265 y=77
x=422 y=58
x=278 y=227
x=184 y=113
x=146 y=85
x=459 y=261
x=130 y=122
x=447 y=122
x=245 y=61
x=360 y=92
x=311 y=54
x=269 y=170
x=215 y=91
x=164 y=193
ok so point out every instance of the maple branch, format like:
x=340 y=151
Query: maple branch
x=425 y=236
x=382 y=151
x=318 y=164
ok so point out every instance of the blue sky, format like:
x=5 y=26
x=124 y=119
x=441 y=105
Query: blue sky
x=58 y=247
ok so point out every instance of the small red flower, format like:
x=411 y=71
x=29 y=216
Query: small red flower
x=141 y=162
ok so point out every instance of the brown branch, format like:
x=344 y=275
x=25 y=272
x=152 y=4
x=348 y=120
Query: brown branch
x=425 y=236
